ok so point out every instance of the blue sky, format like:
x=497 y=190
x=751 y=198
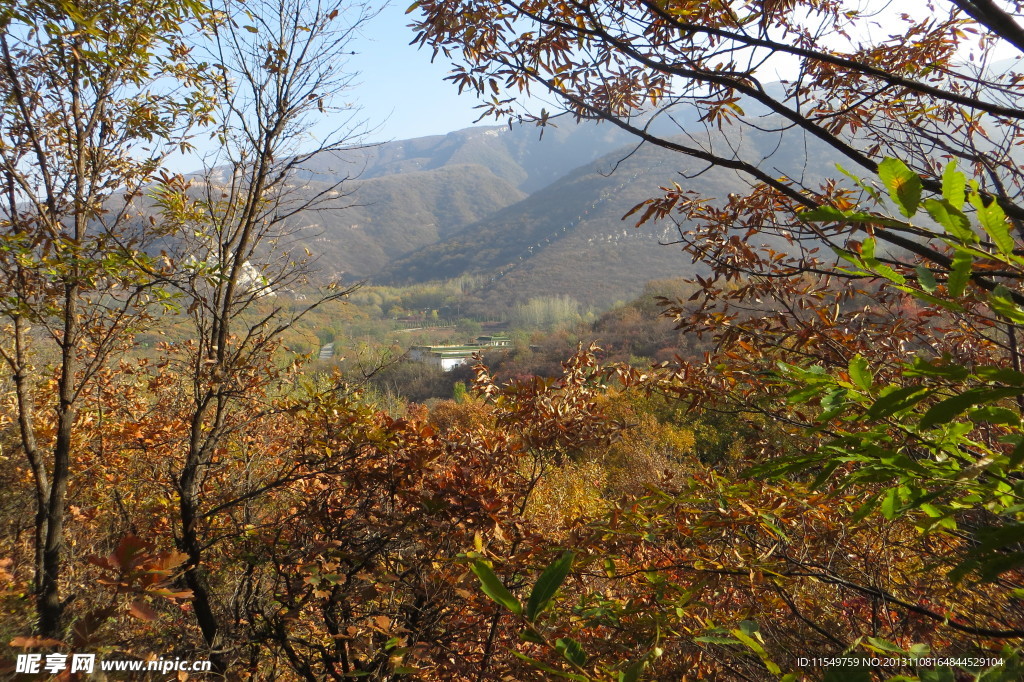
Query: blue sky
x=400 y=89
x=401 y=93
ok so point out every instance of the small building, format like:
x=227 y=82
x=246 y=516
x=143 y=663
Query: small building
x=445 y=357
x=448 y=357
x=495 y=341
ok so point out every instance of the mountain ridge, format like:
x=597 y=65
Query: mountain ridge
x=529 y=215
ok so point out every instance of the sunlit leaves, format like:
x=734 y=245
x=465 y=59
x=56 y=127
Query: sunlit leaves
x=960 y=273
x=954 y=186
x=493 y=587
x=993 y=221
x=1002 y=302
x=896 y=443
x=860 y=374
x=903 y=184
x=916 y=439
x=950 y=218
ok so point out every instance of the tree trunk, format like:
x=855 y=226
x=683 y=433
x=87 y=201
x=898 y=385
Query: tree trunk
x=49 y=603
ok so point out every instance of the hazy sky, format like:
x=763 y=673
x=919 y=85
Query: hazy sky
x=403 y=95
x=400 y=89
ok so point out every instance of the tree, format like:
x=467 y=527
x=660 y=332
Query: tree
x=92 y=97
x=697 y=78
x=897 y=331
x=281 y=70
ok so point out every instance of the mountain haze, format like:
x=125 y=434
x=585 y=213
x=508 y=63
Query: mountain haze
x=530 y=215
x=412 y=193
x=386 y=217
x=525 y=156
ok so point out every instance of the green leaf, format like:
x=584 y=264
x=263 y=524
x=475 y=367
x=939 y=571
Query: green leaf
x=867 y=249
x=894 y=401
x=1001 y=375
x=919 y=650
x=1017 y=456
x=749 y=628
x=936 y=675
x=949 y=408
x=711 y=639
x=541 y=665
x=493 y=587
x=944 y=368
x=926 y=279
x=531 y=636
x=954 y=186
x=876 y=266
x=830 y=214
x=547 y=584
x=782 y=466
x=995 y=415
x=770 y=523
x=931 y=300
x=903 y=184
x=993 y=221
x=633 y=672
x=863 y=510
x=758 y=649
x=885 y=645
x=405 y=670
x=571 y=650
x=833 y=404
x=859 y=372
x=951 y=219
x=1010 y=671
x=867 y=187
x=891 y=503
x=1001 y=301
x=960 y=274
x=880 y=268
x=999 y=538
x=823 y=214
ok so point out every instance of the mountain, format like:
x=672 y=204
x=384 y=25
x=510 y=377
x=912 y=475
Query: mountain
x=569 y=237
x=529 y=211
x=565 y=238
x=383 y=218
x=525 y=156
x=409 y=194
x=532 y=212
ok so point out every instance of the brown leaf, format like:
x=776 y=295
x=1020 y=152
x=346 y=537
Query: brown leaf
x=142 y=610
x=34 y=642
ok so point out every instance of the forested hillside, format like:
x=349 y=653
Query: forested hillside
x=387 y=217
x=403 y=195
x=534 y=247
